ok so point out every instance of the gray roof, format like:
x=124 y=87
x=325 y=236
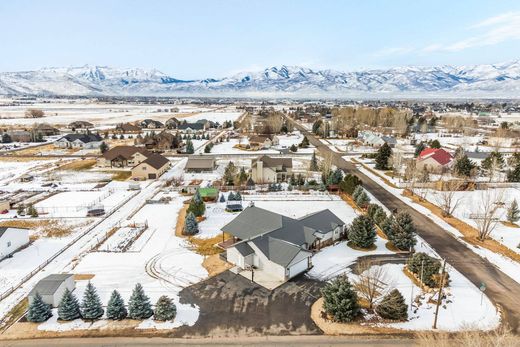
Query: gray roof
x=278 y=251
x=322 y=221
x=4 y=229
x=244 y=248
x=49 y=284
x=85 y=138
x=273 y=162
x=193 y=126
x=200 y=162
x=253 y=221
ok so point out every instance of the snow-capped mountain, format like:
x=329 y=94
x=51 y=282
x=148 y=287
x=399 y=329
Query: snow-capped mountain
x=480 y=80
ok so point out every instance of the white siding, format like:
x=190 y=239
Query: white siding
x=13 y=239
x=298 y=268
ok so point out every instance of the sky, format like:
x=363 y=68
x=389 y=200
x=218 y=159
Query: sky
x=200 y=39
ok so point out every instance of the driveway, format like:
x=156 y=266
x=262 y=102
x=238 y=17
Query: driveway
x=230 y=305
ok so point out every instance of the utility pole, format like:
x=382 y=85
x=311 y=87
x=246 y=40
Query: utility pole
x=439 y=299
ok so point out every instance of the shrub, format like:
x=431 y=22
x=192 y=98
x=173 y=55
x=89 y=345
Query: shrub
x=393 y=306
x=340 y=301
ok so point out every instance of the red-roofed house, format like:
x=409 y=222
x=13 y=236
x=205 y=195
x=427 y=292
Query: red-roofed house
x=434 y=159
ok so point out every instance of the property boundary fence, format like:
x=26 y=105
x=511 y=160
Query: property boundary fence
x=24 y=279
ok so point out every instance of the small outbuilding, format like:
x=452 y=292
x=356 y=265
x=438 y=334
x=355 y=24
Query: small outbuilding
x=52 y=287
x=200 y=164
x=12 y=239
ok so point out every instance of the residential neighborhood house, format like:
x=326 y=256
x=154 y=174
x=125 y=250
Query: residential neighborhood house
x=87 y=141
x=271 y=170
x=11 y=240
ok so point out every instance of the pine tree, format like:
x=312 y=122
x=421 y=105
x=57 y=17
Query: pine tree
x=238 y=196
x=38 y=310
x=21 y=209
x=229 y=174
x=435 y=144
x=305 y=142
x=222 y=198
x=139 y=304
x=68 y=309
x=393 y=306
x=372 y=209
x=191 y=227
x=165 y=309
x=197 y=206
x=290 y=188
x=31 y=211
x=494 y=158
x=426 y=268
x=293 y=148
x=419 y=148
x=383 y=155
x=242 y=176
x=362 y=232
x=314 y=163
x=362 y=200
x=91 y=307
x=340 y=300
x=380 y=216
x=514 y=175
x=103 y=147
x=386 y=226
x=349 y=184
x=189 y=147
x=464 y=166
x=116 y=309
x=357 y=191
x=403 y=232
x=513 y=213
x=231 y=196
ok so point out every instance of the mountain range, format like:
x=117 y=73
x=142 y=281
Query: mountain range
x=492 y=80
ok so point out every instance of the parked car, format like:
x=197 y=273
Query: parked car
x=96 y=212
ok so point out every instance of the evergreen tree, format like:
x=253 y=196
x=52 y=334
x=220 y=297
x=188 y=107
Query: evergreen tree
x=293 y=148
x=316 y=127
x=229 y=174
x=91 y=307
x=314 y=163
x=165 y=309
x=362 y=232
x=494 y=158
x=139 y=304
x=31 y=211
x=357 y=191
x=103 y=147
x=68 y=309
x=21 y=209
x=222 y=198
x=349 y=184
x=250 y=183
x=435 y=144
x=514 y=175
x=419 y=148
x=335 y=177
x=513 y=213
x=362 y=200
x=197 y=206
x=305 y=142
x=238 y=196
x=242 y=176
x=38 y=310
x=290 y=188
x=393 y=306
x=116 y=309
x=372 y=210
x=231 y=196
x=403 y=232
x=6 y=138
x=383 y=155
x=189 y=147
x=208 y=147
x=386 y=226
x=191 y=227
x=464 y=166
x=426 y=268
x=340 y=300
x=380 y=216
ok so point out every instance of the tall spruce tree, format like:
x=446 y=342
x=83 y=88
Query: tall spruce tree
x=164 y=309
x=238 y=196
x=340 y=301
x=197 y=206
x=435 y=144
x=357 y=192
x=91 y=308
x=350 y=183
x=464 y=166
x=39 y=311
x=514 y=175
x=362 y=232
x=189 y=147
x=191 y=227
x=426 y=268
x=231 y=196
x=393 y=306
x=116 y=309
x=222 y=198
x=139 y=304
x=382 y=157
x=68 y=309
x=419 y=148
x=362 y=200
x=313 y=166
x=403 y=232
x=513 y=213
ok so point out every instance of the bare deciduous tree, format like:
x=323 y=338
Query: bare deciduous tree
x=447 y=198
x=487 y=216
x=372 y=281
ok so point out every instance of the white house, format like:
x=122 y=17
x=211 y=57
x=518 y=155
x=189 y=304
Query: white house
x=88 y=141
x=52 y=287
x=270 y=170
x=11 y=240
x=278 y=246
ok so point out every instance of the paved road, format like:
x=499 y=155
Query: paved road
x=501 y=289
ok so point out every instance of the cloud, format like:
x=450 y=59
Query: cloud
x=489 y=32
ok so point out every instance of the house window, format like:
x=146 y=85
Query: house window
x=8 y=243
x=144 y=168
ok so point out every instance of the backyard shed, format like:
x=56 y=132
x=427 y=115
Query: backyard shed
x=52 y=287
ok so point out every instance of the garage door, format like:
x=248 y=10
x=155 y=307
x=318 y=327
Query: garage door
x=298 y=268
x=152 y=176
